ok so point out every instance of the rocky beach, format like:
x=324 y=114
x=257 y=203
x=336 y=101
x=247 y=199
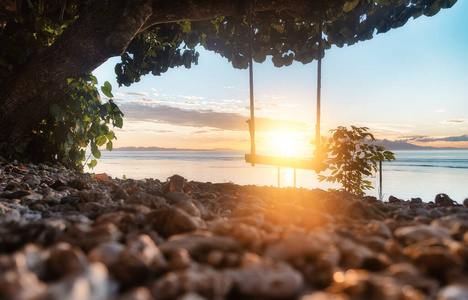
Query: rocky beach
x=69 y=235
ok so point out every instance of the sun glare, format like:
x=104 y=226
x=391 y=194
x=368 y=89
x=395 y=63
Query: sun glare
x=284 y=143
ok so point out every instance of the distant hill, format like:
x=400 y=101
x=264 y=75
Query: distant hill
x=389 y=145
x=152 y=149
x=402 y=145
x=167 y=149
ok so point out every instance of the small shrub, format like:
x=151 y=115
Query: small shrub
x=351 y=157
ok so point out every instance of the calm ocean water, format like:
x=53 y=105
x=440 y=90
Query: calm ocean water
x=414 y=173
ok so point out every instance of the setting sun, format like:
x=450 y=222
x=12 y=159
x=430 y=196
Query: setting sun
x=287 y=144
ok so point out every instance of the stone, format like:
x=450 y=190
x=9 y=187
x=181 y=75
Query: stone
x=265 y=278
x=64 y=259
x=31 y=198
x=16 y=195
x=321 y=295
x=15 y=284
x=89 y=237
x=201 y=280
x=140 y=258
x=189 y=207
x=93 y=196
x=175 y=197
x=176 y=183
x=107 y=253
x=121 y=194
x=79 y=184
x=246 y=235
x=432 y=258
x=191 y=296
x=417 y=233
x=179 y=259
x=137 y=293
x=171 y=221
x=198 y=243
x=36 y=257
x=148 y=200
x=295 y=245
x=453 y=292
x=72 y=200
x=150 y=254
x=393 y=199
x=91 y=283
x=444 y=200
x=465 y=202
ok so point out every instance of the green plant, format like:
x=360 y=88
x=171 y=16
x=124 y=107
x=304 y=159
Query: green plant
x=80 y=121
x=352 y=155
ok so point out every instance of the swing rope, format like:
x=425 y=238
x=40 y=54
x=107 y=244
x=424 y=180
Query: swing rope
x=319 y=87
x=292 y=162
x=251 y=86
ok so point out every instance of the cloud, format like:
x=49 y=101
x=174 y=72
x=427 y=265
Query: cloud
x=460 y=138
x=130 y=94
x=273 y=97
x=190 y=97
x=161 y=113
x=454 y=121
x=401 y=129
x=411 y=137
x=210 y=130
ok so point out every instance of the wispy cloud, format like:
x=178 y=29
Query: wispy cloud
x=454 y=121
x=161 y=113
x=191 y=97
x=388 y=128
x=130 y=94
x=273 y=97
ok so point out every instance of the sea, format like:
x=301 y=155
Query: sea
x=414 y=174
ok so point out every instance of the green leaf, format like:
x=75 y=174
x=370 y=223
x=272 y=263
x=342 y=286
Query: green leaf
x=101 y=140
x=59 y=114
x=97 y=154
x=447 y=3
x=109 y=146
x=110 y=135
x=350 y=5
x=92 y=164
x=118 y=122
x=106 y=89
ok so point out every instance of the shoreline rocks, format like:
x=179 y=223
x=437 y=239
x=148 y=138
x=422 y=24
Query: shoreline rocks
x=68 y=235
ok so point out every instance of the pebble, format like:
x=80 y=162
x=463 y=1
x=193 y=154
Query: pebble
x=417 y=233
x=259 y=277
x=66 y=235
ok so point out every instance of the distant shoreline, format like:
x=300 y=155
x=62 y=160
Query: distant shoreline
x=168 y=149
x=389 y=145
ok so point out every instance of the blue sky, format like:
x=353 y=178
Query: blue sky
x=410 y=83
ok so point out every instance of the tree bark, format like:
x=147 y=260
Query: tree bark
x=103 y=30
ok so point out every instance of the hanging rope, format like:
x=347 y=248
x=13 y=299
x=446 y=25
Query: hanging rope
x=319 y=86
x=251 y=87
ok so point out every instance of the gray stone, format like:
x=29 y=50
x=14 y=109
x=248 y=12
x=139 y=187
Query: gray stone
x=263 y=278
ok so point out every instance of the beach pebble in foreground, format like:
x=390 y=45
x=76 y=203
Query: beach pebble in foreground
x=68 y=235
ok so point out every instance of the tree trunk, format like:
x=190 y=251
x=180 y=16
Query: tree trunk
x=103 y=30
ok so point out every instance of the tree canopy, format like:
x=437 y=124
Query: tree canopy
x=46 y=45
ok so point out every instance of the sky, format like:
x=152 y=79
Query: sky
x=409 y=84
